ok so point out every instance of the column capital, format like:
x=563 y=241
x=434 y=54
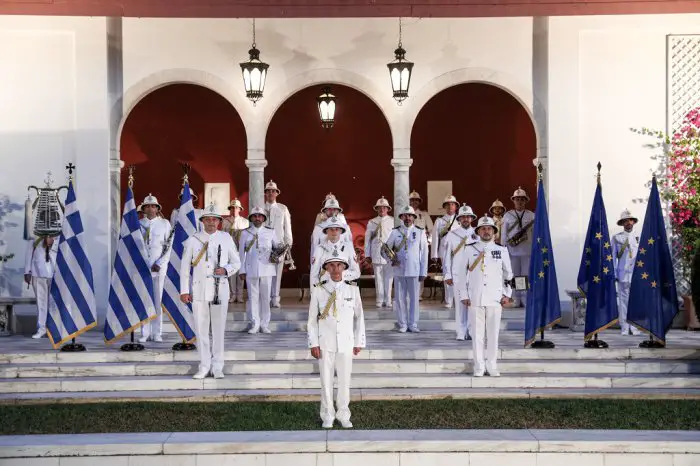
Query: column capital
x=401 y=164
x=256 y=165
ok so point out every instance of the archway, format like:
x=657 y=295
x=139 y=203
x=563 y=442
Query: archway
x=184 y=123
x=479 y=137
x=352 y=160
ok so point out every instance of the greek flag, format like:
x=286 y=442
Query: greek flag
x=185 y=226
x=72 y=288
x=131 y=289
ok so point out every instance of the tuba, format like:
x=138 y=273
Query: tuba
x=389 y=254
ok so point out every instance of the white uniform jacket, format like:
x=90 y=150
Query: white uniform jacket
x=424 y=221
x=443 y=225
x=318 y=236
x=336 y=319
x=513 y=221
x=202 y=287
x=454 y=264
x=624 y=246
x=234 y=226
x=156 y=233
x=255 y=247
x=378 y=231
x=490 y=267
x=279 y=219
x=197 y=214
x=329 y=249
x=411 y=247
x=35 y=263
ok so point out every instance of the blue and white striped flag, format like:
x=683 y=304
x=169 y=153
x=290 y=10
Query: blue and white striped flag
x=72 y=288
x=185 y=226
x=131 y=290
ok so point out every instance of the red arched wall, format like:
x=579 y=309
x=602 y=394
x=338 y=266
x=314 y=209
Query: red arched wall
x=184 y=123
x=352 y=160
x=481 y=138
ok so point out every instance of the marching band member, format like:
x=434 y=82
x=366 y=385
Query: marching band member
x=485 y=292
x=39 y=266
x=517 y=238
x=423 y=221
x=336 y=332
x=234 y=225
x=456 y=254
x=334 y=246
x=280 y=221
x=322 y=217
x=444 y=225
x=625 y=246
x=331 y=208
x=409 y=245
x=497 y=210
x=197 y=212
x=378 y=230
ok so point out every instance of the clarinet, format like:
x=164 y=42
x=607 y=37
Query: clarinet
x=217 y=279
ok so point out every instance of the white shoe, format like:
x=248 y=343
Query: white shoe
x=624 y=332
x=402 y=329
x=39 y=334
x=254 y=330
x=389 y=305
x=636 y=332
x=415 y=329
x=380 y=305
x=478 y=373
x=231 y=300
x=143 y=339
x=327 y=424
x=275 y=305
x=158 y=339
x=219 y=374
x=346 y=424
x=201 y=374
x=448 y=306
x=460 y=338
x=265 y=330
x=493 y=373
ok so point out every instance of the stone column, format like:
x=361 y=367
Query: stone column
x=540 y=89
x=401 y=162
x=256 y=164
x=115 y=101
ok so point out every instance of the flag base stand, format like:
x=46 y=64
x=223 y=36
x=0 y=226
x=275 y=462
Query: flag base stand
x=132 y=346
x=182 y=346
x=595 y=343
x=651 y=344
x=542 y=343
x=73 y=347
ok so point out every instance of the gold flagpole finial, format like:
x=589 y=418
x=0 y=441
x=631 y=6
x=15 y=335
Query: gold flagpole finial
x=186 y=172
x=540 y=170
x=132 y=169
x=70 y=167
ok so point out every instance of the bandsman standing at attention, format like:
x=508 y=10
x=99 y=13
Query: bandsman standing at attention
x=517 y=237
x=497 y=210
x=408 y=252
x=156 y=232
x=211 y=256
x=334 y=246
x=378 y=231
x=625 y=245
x=444 y=225
x=197 y=212
x=234 y=225
x=279 y=219
x=39 y=266
x=423 y=221
x=254 y=248
x=485 y=292
x=331 y=209
x=456 y=255
x=336 y=332
x=321 y=216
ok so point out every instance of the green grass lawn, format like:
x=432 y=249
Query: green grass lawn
x=426 y=414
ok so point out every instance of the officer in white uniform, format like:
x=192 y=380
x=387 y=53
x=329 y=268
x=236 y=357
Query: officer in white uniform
x=424 y=221
x=625 y=245
x=455 y=263
x=197 y=212
x=255 y=247
x=517 y=237
x=201 y=256
x=378 y=231
x=334 y=246
x=331 y=209
x=336 y=332
x=156 y=234
x=39 y=266
x=409 y=244
x=279 y=219
x=234 y=225
x=485 y=292
x=444 y=225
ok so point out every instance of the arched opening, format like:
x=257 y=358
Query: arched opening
x=184 y=123
x=480 y=138
x=351 y=160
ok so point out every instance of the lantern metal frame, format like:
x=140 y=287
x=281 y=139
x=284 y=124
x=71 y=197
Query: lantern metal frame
x=328 y=99
x=399 y=66
x=254 y=89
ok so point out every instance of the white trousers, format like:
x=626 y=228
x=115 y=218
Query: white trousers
x=521 y=266
x=210 y=318
x=236 y=285
x=383 y=277
x=406 y=301
x=329 y=363
x=623 y=296
x=485 y=320
x=259 y=300
x=276 y=282
x=155 y=326
x=42 y=288
x=461 y=315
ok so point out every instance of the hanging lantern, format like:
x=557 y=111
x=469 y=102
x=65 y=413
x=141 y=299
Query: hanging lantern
x=400 y=71
x=326 y=108
x=254 y=73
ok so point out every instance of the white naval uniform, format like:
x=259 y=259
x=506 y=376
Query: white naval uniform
x=208 y=316
x=445 y=224
x=318 y=236
x=412 y=255
x=155 y=234
x=624 y=246
x=279 y=219
x=41 y=270
x=455 y=262
x=336 y=333
x=484 y=288
x=197 y=215
x=254 y=248
x=378 y=231
x=424 y=221
x=234 y=226
x=513 y=221
x=329 y=249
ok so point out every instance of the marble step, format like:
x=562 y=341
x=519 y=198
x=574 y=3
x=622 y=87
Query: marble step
x=370 y=312
x=360 y=366
x=263 y=381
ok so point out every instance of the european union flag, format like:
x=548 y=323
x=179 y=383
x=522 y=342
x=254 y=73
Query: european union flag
x=543 y=308
x=653 y=298
x=596 y=274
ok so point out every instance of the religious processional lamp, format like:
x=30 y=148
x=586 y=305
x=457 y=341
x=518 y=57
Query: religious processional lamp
x=326 y=108
x=400 y=71
x=254 y=73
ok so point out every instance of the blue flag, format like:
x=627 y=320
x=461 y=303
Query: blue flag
x=543 y=308
x=653 y=298
x=596 y=274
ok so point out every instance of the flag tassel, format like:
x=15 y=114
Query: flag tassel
x=73 y=347
x=542 y=343
x=132 y=346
